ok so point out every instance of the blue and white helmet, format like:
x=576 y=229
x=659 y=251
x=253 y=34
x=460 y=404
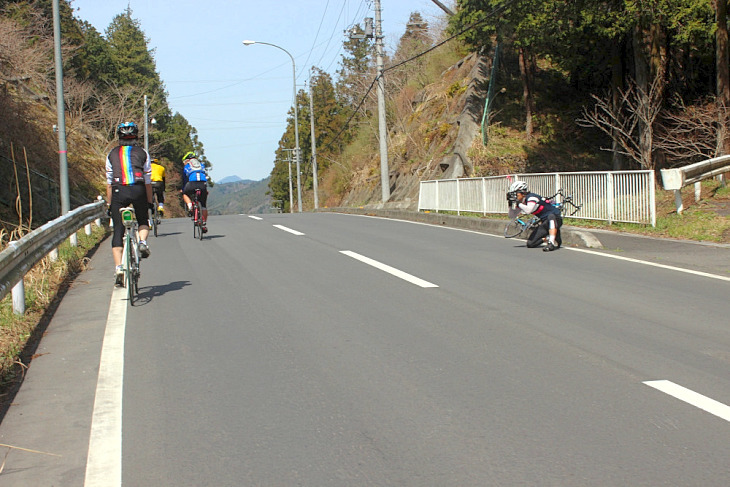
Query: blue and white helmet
x=518 y=187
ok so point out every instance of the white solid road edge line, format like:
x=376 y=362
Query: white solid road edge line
x=690 y=397
x=653 y=264
x=282 y=227
x=574 y=249
x=104 y=461
x=390 y=270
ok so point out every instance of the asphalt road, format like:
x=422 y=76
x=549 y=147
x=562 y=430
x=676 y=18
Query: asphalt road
x=330 y=350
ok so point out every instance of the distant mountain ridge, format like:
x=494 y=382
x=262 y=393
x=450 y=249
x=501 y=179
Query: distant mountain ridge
x=233 y=195
x=232 y=179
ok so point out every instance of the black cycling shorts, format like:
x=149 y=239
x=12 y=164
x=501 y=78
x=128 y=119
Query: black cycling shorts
x=135 y=195
x=158 y=188
x=190 y=188
x=543 y=230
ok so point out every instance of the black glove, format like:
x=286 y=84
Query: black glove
x=109 y=211
x=151 y=206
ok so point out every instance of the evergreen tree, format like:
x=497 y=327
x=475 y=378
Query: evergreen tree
x=93 y=60
x=134 y=62
x=352 y=77
x=329 y=117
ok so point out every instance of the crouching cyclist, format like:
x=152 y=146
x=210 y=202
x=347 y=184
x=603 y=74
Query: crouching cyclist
x=550 y=220
x=194 y=178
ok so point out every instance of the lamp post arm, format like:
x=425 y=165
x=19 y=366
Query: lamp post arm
x=296 y=115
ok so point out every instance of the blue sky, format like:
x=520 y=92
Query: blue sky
x=237 y=96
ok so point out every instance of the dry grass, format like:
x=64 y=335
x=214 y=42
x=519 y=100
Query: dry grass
x=44 y=285
x=707 y=220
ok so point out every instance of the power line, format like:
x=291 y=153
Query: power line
x=494 y=12
x=316 y=36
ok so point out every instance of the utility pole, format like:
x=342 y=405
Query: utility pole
x=291 y=191
x=61 y=124
x=383 y=129
x=314 y=146
x=146 y=117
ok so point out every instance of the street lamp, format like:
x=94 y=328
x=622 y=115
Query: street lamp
x=296 y=117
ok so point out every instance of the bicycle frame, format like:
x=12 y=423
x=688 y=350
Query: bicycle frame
x=562 y=205
x=155 y=220
x=197 y=216
x=518 y=225
x=130 y=253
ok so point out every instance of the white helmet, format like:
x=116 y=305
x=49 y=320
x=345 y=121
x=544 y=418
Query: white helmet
x=518 y=186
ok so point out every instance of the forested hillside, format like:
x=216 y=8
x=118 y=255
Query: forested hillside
x=580 y=85
x=105 y=80
x=240 y=197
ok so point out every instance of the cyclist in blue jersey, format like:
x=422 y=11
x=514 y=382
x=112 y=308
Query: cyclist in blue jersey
x=194 y=178
x=128 y=183
x=550 y=220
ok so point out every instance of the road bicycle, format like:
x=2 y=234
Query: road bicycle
x=130 y=253
x=155 y=220
x=197 y=216
x=524 y=223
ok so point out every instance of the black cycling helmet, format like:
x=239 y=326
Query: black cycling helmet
x=127 y=130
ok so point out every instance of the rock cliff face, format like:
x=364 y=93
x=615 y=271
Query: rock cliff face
x=430 y=138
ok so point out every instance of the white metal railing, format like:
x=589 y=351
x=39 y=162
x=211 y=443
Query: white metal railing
x=613 y=196
x=20 y=256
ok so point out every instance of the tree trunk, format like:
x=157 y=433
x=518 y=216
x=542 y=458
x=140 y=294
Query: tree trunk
x=650 y=61
x=617 y=76
x=526 y=76
x=723 y=77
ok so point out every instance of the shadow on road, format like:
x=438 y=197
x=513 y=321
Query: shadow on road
x=148 y=293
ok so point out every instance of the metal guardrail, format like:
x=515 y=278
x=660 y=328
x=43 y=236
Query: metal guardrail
x=613 y=196
x=677 y=178
x=21 y=255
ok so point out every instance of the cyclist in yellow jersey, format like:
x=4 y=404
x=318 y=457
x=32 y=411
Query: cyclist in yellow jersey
x=158 y=184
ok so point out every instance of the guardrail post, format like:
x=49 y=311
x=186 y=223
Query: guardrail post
x=18 y=294
x=87 y=229
x=73 y=240
x=698 y=191
x=458 y=198
x=19 y=298
x=53 y=255
x=678 y=201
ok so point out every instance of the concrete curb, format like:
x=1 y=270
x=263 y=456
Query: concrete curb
x=571 y=236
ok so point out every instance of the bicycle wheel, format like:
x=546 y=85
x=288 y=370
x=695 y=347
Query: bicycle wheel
x=155 y=216
x=135 y=268
x=200 y=220
x=135 y=281
x=514 y=228
x=128 y=269
x=196 y=217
